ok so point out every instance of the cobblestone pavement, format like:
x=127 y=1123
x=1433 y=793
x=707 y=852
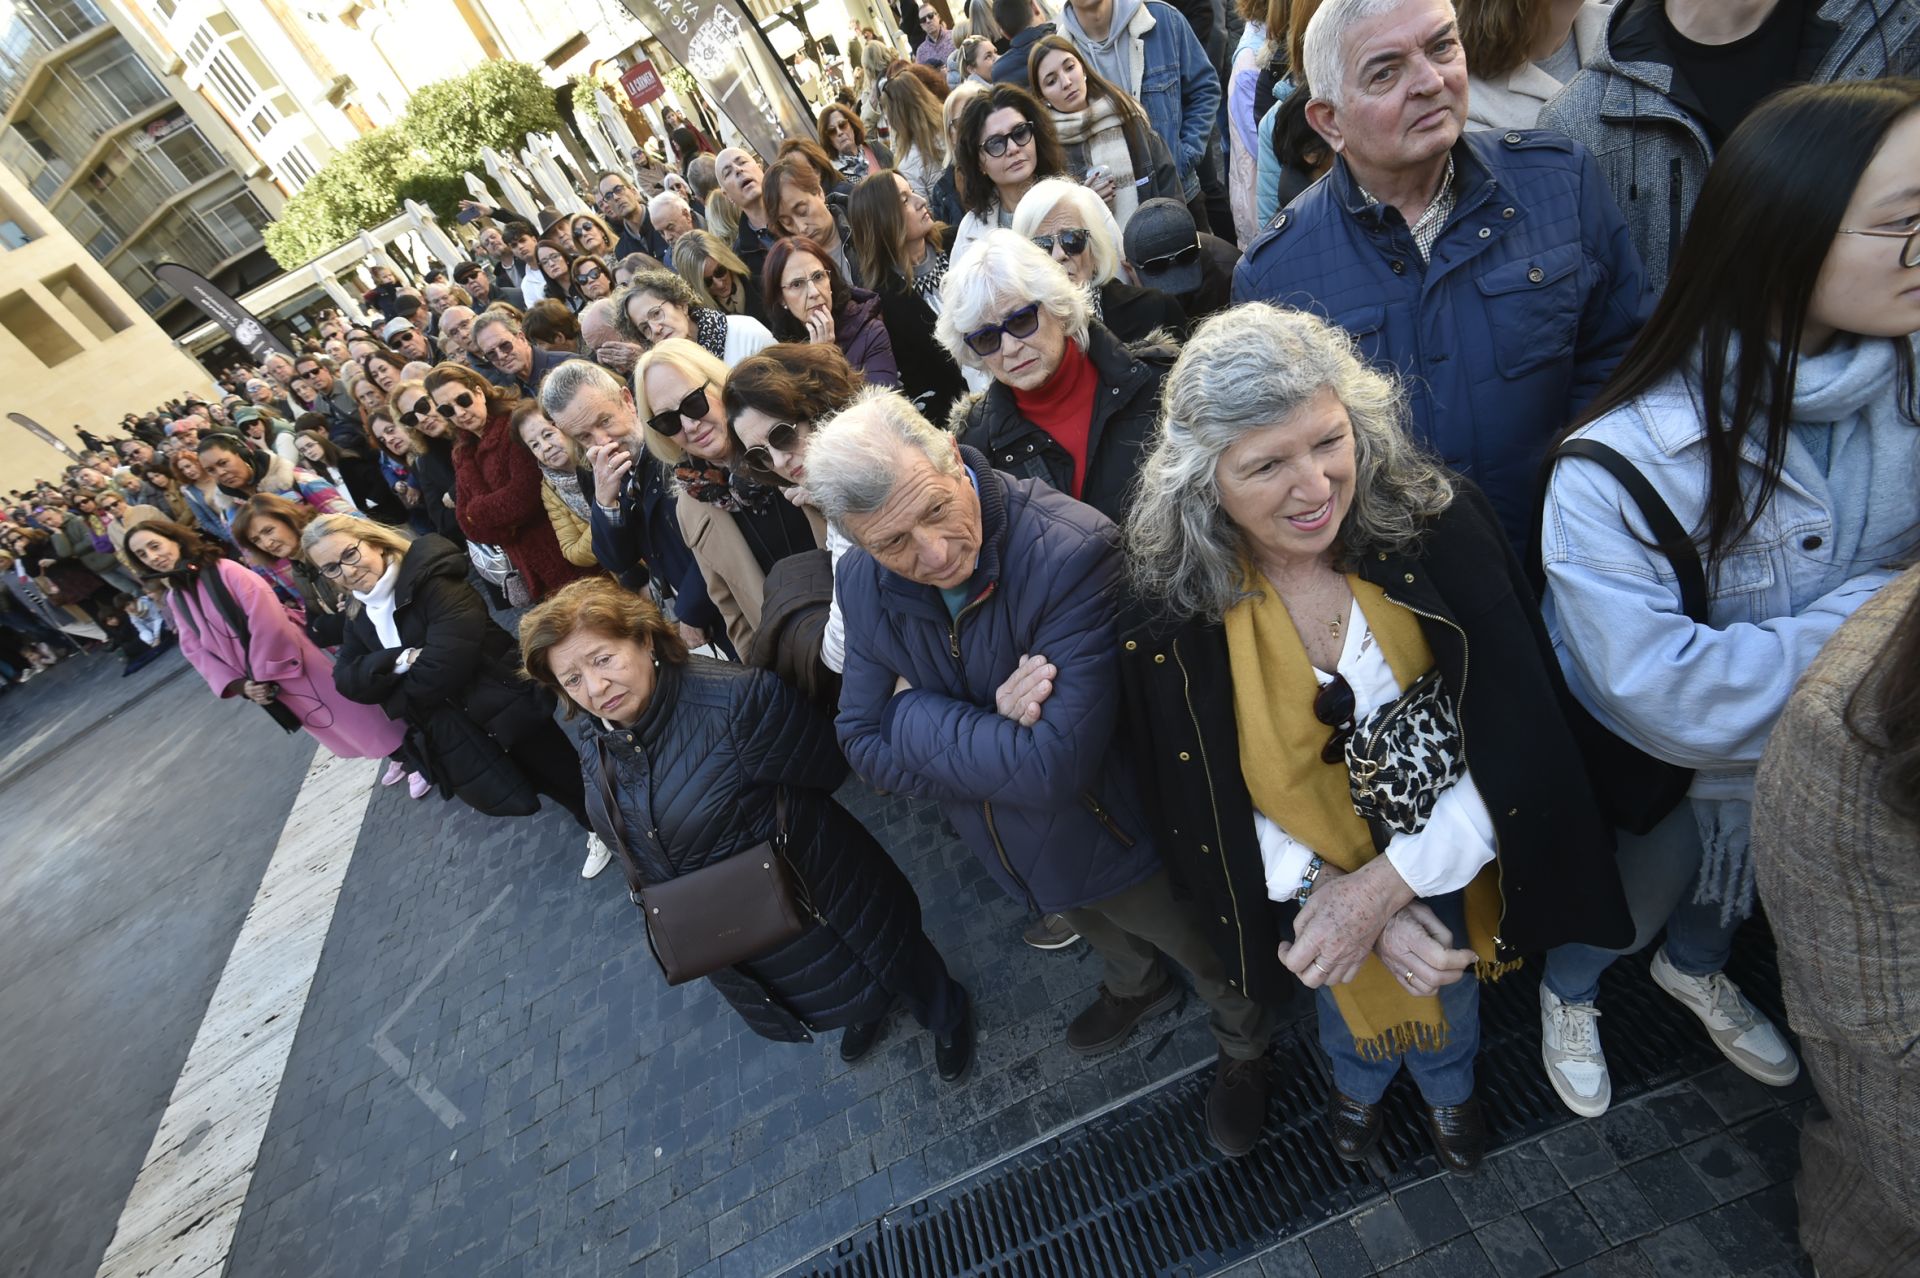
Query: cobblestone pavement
x=1694 y=1180
x=603 y=1122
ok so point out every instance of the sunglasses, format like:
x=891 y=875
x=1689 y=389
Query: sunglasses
x=1023 y=323
x=1018 y=135
x=785 y=437
x=588 y=276
x=694 y=406
x=461 y=401
x=1334 y=705
x=1073 y=242
x=412 y=416
x=1179 y=257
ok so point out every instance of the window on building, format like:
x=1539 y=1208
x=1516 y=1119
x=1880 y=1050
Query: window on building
x=88 y=303
x=36 y=330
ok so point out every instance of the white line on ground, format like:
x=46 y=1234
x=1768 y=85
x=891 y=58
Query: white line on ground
x=179 y=1220
x=398 y=1061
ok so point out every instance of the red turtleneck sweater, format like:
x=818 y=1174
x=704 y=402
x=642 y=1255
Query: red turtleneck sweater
x=1062 y=406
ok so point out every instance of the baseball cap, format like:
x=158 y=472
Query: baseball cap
x=395 y=327
x=241 y=416
x=1163 y=246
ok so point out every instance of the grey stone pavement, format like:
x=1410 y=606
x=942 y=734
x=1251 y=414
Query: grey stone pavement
x=567 y=1113
x=136 y=818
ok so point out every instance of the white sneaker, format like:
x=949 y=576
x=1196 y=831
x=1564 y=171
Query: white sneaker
x=598 y=854
x=1743 y=1035
x=1570 y=1047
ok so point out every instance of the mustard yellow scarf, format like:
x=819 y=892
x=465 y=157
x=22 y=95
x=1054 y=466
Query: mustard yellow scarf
x=1280 y=743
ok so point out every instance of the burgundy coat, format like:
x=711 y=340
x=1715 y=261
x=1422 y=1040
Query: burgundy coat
x=496 y=495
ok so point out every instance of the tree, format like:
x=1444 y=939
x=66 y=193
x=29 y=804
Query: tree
x=421 y=157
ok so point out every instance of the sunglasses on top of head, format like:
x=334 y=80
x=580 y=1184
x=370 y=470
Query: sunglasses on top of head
x=694 y=405
x=1018 y=135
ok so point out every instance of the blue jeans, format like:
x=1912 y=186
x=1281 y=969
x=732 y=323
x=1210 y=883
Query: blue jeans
x=1659 y=870
x=1444 y=1077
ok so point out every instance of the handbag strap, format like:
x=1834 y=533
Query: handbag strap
x=1669 y=538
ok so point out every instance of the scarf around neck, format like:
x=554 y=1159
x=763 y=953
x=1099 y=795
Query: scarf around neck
x=1099 y=132
x=710 y=328
x=1280 y=743
x=566 y=483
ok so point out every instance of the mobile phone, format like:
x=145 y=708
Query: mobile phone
x=467 y=215
x=1097 y=173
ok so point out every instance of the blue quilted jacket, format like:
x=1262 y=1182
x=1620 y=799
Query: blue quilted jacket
x=1052 y=811
x=1533 y=295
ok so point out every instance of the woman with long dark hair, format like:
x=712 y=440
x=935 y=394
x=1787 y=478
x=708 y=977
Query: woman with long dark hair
x=1005 y=142
x=845 y=139
x=1770 y=402
x=902 y=250
x=429 y=454
x=239 y=636
x=1105 y=134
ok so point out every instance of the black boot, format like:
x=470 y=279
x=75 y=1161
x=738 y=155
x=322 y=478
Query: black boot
x=857 y=1040
x=952 y=1054
x=1105 y=1023
x=1237 y=1104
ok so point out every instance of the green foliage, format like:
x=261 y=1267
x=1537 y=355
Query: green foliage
x=586 y=100
x=421 y=157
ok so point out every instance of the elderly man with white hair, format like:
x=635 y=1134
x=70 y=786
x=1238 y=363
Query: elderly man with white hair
x=1069 y=404
x=672 y=216
x=982 y=670
x=1492 y=270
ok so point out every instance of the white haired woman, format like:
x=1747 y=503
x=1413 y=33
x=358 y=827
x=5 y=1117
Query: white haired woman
x=1074 y=226
x=1069 y=404
x=1312 y=581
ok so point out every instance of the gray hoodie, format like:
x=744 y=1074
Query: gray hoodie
x=1113 y=56
x=1651 y=145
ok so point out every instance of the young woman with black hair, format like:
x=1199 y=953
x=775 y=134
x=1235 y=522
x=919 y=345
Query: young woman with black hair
x=1771 y=404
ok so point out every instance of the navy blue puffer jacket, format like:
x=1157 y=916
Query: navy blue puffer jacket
x=695 y=778
x=1052 y=811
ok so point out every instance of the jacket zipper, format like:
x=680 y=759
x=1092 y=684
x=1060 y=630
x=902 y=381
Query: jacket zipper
x=1005 y=864
x=1466 y=761
x=1206 y=767
x=953 y=628
x=1100 y=815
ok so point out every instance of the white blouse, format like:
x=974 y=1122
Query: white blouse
x=1458 y=837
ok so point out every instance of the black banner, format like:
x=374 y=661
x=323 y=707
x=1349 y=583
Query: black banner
x=241 y=324
x=721 y=43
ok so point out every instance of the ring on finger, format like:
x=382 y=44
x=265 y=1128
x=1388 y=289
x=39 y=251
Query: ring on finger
x=1322 y=966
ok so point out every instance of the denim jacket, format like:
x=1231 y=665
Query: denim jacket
x=1706 y=697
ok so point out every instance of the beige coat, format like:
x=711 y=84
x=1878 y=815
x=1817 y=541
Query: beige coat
x=1839 y=873
x=1513 y=100
x=734 y=580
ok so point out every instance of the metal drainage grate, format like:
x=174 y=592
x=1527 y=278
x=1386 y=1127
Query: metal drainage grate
x=1139 y=1191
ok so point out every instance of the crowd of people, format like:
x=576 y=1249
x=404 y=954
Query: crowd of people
x=1337 y=517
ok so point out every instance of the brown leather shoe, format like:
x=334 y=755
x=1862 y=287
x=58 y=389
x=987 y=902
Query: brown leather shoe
x=1459 y=1135
x=1354 y=1124
x=1237 y=1105
x=1107 y=1021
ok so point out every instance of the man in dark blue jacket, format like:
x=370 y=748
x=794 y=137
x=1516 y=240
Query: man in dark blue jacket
x=982 y=670
x=636 y=535
x=1493 y=271
x=500 y=340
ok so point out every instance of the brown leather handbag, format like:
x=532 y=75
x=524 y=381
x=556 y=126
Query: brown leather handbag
x=732 y=911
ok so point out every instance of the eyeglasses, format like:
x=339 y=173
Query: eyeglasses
x=498 y=351
x=784 y=437
x=1072 y=242
x=1167 y=262
x=799 y=287
x=350 y=557
x=1909 y=254
x=608 y=194
x=1334 y=705
x=1023 y=323
x=588 y=276
x=463 y=400
x=412 y=416
x=694 y=407
x=1018 y=135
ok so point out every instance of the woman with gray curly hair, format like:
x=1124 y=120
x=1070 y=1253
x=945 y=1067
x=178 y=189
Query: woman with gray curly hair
x=1316 y=590
x=1068 y=402
x=658 y=306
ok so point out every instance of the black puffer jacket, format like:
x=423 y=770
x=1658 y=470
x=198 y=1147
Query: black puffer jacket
x=463 y=700
x=1125 y=410
x=695 y=778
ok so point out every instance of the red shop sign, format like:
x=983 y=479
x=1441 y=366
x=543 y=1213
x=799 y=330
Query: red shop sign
x=642 y=83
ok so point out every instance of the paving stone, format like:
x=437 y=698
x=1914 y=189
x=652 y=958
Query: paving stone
x=1634 y=1131
x=1668 y=1183
x=1619 y=1208
x=1773 y=1142
x=1733 y=1094
x=1337 y=1252
x=1384 y=1232
x=1568 y=1234
x=1457 y=1258
x=1430 y=1211
x=1680 y=1251
x=1578 y=1153
x=1743 y=1242
x=1513 y=1249
x=1528 y=1174
x=1724 y=1167
x=1289 y=1260
x=1621 y=1262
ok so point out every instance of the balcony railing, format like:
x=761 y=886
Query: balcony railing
x=133 y=180
x=33 y=29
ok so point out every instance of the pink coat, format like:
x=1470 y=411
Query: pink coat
x=280 y=653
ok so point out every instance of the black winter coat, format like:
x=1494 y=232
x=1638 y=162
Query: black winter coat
x=1134 y=314
x=433 y=476
x=928 y=375
x=695 y=777
x=1558 y=877
x=464 y=701
x=1126 y=409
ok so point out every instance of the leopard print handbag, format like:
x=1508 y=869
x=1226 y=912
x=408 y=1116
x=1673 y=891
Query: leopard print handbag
x=1402 y=756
